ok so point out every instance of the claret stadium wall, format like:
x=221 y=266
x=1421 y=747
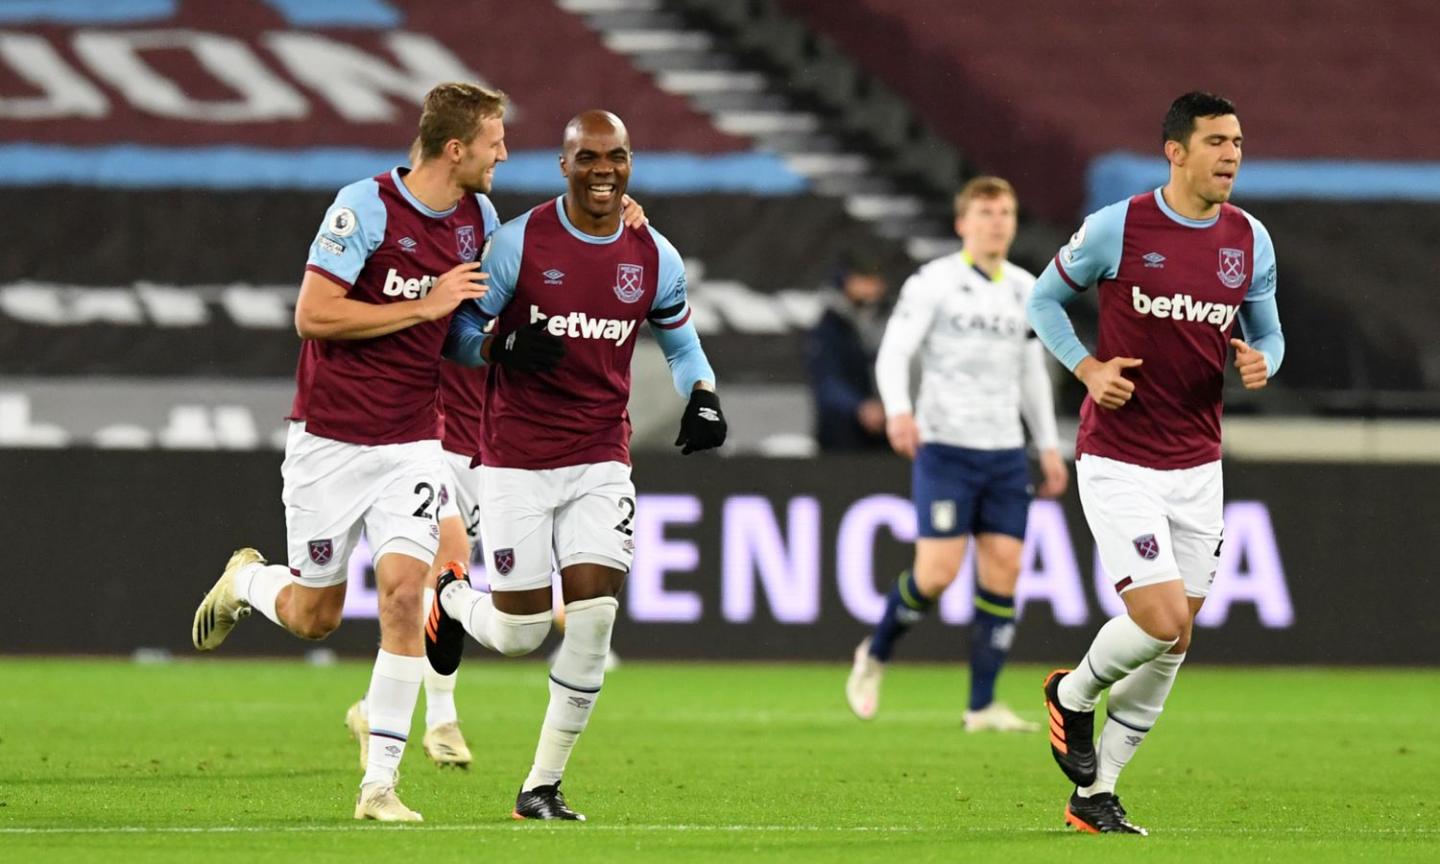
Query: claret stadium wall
x=740 y=558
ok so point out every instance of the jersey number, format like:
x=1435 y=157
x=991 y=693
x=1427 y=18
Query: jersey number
x=423 y=511
x=628 y=505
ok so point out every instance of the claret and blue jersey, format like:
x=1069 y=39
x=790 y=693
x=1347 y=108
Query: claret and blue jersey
x=1170 y=291
x=385 y=246
x=594 y=292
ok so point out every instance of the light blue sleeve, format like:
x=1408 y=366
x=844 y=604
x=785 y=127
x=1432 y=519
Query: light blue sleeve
x=465 y=342
x=1093 y=252
x=1046 y=311
x=502 y=262
x=670 y=322
x=353 y=229
x=671 y=303
x=488 y=213
x=1260 y=314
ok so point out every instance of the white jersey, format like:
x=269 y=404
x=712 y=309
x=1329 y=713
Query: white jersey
x=981 y=366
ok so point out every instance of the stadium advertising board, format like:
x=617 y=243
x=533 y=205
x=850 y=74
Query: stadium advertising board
x=742 y=558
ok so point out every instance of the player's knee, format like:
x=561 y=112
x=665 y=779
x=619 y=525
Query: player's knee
x=516 y=635
x=932 y=578
x=316 y=624
x=589 y=625
x=1166 y=628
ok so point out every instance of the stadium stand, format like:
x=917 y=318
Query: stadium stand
x=1024 y=92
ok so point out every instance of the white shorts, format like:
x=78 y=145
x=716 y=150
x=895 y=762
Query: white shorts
x=536 y=522
x=463 y=500
x=333 y=489
x=1154 y=526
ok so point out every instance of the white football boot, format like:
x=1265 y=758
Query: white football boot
x=997 y=717
x=358 y=723
x=378 y=801
x=862 y=689
x=446 y=746
x=220 y=609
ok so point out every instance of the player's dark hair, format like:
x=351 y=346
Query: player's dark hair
x=1180 y=119
x=982 y=188
x=455 y=110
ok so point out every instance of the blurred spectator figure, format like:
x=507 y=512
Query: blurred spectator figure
x=840 y=353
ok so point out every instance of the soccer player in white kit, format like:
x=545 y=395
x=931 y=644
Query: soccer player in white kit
x=1174 y=269
x=982 y=370
x=396 y=254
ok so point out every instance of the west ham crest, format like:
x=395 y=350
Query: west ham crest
x=504 y=561
x=1232 y=267
x=465 y=243
x=630 y=282
x=1147 y=547
x=321 y=551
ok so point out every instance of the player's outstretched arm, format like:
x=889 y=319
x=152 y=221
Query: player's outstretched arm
x=324 y=311
x=703 y=425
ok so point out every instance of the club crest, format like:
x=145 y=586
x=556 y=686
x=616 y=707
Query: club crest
x=465 y=243
x=630 y=282
x=1232 y=267
x=321 y=551
x=504 y=561
x=1147 y=547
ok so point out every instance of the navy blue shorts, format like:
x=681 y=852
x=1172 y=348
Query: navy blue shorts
x=959 y=491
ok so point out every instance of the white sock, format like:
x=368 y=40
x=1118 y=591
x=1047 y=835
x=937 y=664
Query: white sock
x=575 y=680
x=1119 y=648
x=511 y=635
x=259 y=585
x=1135 y=704
x=473 y=609
x=394 y=687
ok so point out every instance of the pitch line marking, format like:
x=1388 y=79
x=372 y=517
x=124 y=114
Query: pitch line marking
x=779 y=829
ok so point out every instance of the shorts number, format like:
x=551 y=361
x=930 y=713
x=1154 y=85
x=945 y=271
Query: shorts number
x=423 y=511
x=628 y=505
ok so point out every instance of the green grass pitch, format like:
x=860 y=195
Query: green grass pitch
x=222 y=760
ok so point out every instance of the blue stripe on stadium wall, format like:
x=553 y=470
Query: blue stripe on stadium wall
x=1119 y=175
x=338 y=13
x=297 y=13
x=236 y=167
x=85 y=11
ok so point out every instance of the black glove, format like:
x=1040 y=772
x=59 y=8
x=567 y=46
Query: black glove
x=528 y=349
x=703 y=426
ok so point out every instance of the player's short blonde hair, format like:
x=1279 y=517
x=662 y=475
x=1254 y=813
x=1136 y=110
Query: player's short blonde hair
x=982 y=188
x=456 y=110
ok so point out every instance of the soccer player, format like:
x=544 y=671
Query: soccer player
x=394 y=257
x=461 y=400
x=1173 y=269
x=569 y=286
x=982 y=370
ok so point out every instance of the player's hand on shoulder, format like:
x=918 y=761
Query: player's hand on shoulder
x=632 y=213
x=1054 y=477
x=455 y=286
x=1254 y=374
x=703 y=425
x=1106 y=381
x=904 y=435
x=528 y=349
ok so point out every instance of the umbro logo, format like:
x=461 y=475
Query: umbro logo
x=580 y=702
x=1134 y=740
x=709 y=414
x=1154 y=259
x=408 y=244
x=553 y=276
